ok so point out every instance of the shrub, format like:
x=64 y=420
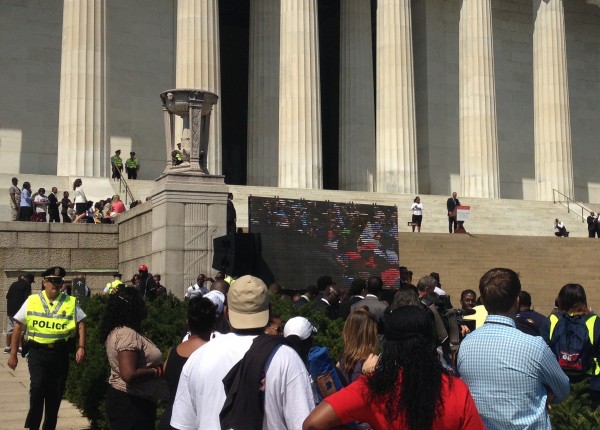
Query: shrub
x=575 y=413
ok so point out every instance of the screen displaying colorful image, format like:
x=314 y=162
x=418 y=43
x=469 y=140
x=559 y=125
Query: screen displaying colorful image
x=302 y=240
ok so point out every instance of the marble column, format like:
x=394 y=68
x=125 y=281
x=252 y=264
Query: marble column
x=357 y=106
x=263 y=93
x=197 y=63
x=396 y=126
x=552 y=122
x=479 y=168
x=81 y=144
x=300 y=154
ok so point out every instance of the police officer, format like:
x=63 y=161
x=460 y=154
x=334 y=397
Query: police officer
x=53 y=321
x=117 y=164
x=114 y=284
x=132 y=165
x=177 y=155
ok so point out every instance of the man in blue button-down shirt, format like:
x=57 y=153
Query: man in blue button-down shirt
x=512 y=375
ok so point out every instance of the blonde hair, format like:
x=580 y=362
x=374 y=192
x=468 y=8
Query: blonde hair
x=360 y=339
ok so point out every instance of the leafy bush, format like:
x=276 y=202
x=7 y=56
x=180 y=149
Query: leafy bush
x=575 y=413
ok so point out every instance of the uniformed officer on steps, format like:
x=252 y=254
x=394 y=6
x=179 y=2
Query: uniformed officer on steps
x=54 y=324
x=114 y=284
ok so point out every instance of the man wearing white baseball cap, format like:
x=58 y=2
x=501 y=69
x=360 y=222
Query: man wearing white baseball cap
x=201 y=393
x=299 y=333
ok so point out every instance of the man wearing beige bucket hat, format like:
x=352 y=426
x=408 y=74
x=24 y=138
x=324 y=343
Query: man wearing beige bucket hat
x=201 y=393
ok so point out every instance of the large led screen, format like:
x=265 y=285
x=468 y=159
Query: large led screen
x=303 y=240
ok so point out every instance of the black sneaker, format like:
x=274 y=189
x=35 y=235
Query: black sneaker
x=7 y=350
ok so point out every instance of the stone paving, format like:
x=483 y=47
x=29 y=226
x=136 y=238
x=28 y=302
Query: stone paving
x=14 y=400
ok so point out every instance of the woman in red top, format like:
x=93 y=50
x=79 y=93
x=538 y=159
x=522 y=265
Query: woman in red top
x=409 y=388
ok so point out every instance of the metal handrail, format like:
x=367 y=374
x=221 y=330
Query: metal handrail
x=568 y=202
x=123 y=186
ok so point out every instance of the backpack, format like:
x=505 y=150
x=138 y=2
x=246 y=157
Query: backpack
x=323 y=373
x=571 y=340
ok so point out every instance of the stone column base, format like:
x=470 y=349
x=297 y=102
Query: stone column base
x=189 y=209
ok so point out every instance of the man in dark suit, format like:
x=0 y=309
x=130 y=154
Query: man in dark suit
x=371 y=300
x=592 y=221
x=451 y=206
x=329 y=303
x=358 y=289
x=53 y=206
x=308 y=296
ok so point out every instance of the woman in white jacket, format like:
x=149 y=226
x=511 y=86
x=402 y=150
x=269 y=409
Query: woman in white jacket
x=79 y=195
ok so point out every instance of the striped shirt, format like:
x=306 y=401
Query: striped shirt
x=507 y=372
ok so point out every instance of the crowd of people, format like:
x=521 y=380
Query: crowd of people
x=241 y=366
x=39 y=207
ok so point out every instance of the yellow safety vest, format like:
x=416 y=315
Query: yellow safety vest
x=112 y=285
x=45 y=326
x=590 y=322
x=132 y=163
x=116 y=160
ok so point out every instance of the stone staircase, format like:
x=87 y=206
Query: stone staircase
x=488 y=216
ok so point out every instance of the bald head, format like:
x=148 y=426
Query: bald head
x=220 y=285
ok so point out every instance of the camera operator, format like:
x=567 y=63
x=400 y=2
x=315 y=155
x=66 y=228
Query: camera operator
x=449 y=326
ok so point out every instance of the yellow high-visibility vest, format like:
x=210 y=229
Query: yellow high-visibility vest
x=590 y=323
x=132 y=163
x=112 y=285
x=46 y=326
x=116 y=160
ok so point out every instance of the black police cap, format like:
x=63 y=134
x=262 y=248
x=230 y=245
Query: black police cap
x=54 y=272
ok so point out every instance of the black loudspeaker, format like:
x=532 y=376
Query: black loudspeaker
x=237 y=254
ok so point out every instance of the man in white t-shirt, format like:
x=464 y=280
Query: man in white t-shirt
x=288 y=397
x=199 y=288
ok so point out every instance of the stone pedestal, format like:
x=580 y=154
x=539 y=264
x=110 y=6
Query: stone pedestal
x=189 y=210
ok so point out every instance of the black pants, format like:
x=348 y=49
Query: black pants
x=127 y=412
x=54 y=217
x=451 y=223
x=116 y=173
x=25 y=213
x=131 y=173
x=48 y=370
x=66 y=218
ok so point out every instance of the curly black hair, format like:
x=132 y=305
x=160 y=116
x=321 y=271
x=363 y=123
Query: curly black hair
x=125 y=308
x=408 y=375
x=201 y=315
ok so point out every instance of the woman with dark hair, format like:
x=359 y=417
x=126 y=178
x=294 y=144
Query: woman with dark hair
x=26 y=207
x=360 y=345
x=79 y=196
x=135 y=363
x=201 y=316
x=409 y=388
x=417 y=211
x=572 y=326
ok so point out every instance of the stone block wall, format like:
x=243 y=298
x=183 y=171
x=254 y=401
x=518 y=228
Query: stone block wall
x=135 y=240
x=82 y=249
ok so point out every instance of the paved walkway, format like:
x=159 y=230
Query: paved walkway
x=14 y=400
